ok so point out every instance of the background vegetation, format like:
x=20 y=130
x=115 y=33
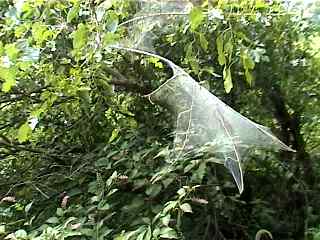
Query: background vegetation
x=79 y=142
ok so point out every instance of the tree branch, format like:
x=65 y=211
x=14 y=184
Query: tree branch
x=129 y=84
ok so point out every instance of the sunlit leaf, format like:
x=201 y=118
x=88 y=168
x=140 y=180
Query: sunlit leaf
x=73 y=12
x=40 y=33
x=186 y=208
x=221 y=56
x=148 y=235
x=114 y=135
x=24 y=132
x=166 y=220
x=247 y=60
x=21 y=234
x=227 y=79
x=156 y=62
x=103 y=205
x=196 y=17
x=228 y=49
x=80 y=37
x=111 y=178
x=2 y=229
x=12 y=51
x=141 y=236
x=9 y=77
x=249 y=77
x=109 y=38
x=1 y=48
x=169 y=206
x=28 y=207
x=169 y=233
x=182 y=192
x=248 y=65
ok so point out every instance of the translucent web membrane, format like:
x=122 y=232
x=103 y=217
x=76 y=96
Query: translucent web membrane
x=153 y=14
x=206 y=125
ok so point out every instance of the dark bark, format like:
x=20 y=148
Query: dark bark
x=290 y=127
x=291 y=134
x=121 y=81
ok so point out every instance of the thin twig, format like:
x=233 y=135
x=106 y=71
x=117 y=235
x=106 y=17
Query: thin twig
x=41 y=192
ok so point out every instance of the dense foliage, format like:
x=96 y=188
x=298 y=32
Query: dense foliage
x=80 y=143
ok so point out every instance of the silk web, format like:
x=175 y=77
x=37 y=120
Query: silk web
x=204 y=124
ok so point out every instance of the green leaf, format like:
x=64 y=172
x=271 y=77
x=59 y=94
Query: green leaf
x=166 y=220
x=228 y=49
x=1 y=48
x=68 y=233
x=248 y=64
x=114 y=135
x=24 y=132
x=191 y=58
x=109 y=38
x=168 y=233
x=203 y=42
x=182 y=192
x=169 y=206
x=163 y=153
x=111 y=192
x=227 y=79
x=27 y=208
x=80 y=37
x=221 y=56
x=60 y=212
x=198 y=174
x=21 y=234
x=154 y=190
x=111 y=178
x=101 y=9
x=148 y=234
x=53 y=220
x=186 y=208
x=191 y=165
x=103 y=205
x=120 y=237
x=88 y=232
x=103 y=162
x=9 y=77
x=2 y=229
x=156 y=62
x=260 y=4
x=19 y=31
x=167 y=181
x=40 y=33
x=247 y=60
x=73 y=12
x=195 y=17
x=141 y=236
x=249 y=77
x=210 y=70
x=12 y=51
